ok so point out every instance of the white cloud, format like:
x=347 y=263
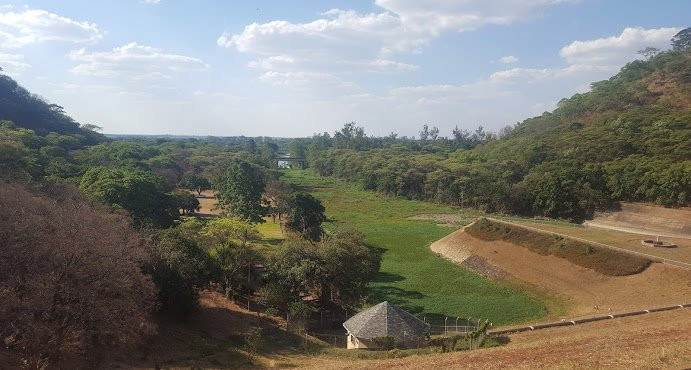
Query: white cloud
x=509 y=59
x=322 y=51
x=344 y=42
x=617 y=50
x=18 y=29
x=304 y=80
x=436 y=16
x=134 y=61
x=520 y=92
x=392 y=65
x=13 y=64
x=152 y=2
x=595 y=59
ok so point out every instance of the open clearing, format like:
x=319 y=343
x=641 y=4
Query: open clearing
x=659 y=340
x=658 y=285
x=411 y=275
x=208 y=205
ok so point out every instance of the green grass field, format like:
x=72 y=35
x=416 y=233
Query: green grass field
x=411 y=275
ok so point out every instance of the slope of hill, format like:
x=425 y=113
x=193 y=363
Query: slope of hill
x=30 y=111
x=628 y=139
x=37 y=138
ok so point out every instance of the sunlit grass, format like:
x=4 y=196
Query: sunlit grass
x=411 y=275
x=271 y=236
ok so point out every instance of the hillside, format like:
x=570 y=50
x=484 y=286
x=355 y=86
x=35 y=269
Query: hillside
x=37 y=139
x=30 y=111
x=628 y=139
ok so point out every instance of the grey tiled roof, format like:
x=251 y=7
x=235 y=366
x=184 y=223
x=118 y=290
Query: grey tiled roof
x=385 y=320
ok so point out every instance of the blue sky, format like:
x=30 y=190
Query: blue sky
x=292 y=68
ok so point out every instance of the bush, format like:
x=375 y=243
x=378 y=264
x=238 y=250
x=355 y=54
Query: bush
x=386 y=343
x=179 y=269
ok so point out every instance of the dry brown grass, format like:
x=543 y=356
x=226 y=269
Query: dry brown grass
x=660 y=340
x=207 y=203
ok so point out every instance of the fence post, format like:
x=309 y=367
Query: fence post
x=445 y=329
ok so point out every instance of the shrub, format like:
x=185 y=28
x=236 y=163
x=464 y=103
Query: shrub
x=386 y=343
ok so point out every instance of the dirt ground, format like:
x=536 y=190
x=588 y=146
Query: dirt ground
x=659 y=340
x=621 y=239
x=646 y=219
x=589 y=292
x=208 y=204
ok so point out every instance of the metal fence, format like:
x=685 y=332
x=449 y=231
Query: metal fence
x=452 y=325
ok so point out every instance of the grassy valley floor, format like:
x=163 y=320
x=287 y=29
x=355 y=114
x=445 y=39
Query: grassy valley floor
x=411 y=275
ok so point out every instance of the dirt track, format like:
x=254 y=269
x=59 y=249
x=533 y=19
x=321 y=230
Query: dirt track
x=589 y=292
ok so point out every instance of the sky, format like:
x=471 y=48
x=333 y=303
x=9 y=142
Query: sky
x=294 y=68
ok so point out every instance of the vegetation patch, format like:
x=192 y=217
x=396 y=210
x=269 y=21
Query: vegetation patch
x=411 y=275
x=602 y=260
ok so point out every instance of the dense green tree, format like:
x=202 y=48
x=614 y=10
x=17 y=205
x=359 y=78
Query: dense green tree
x=305 y=216
x=239 y=192
x=179 y=269
x=299 y=268
x=227 y=230
x=275 y=295
x=187 y=202
x=337 y=270
x=137 y=191
x=233 y=266
x=195 y=182
x=350 y=266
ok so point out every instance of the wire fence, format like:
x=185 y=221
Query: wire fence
x=452 y=325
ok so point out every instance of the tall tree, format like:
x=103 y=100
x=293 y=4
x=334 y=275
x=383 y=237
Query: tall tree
x=137 y=191
x=187 y=202
x=305 y=216
x=179 y=268
x=682 y=40
x=350 y=266
x=277 y=196
x=239 y=192
x=195 y=182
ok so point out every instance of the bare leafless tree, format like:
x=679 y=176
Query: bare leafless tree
x=71 y=286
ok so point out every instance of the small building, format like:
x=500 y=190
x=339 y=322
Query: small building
x=368 y=328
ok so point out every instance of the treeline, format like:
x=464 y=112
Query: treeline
x=629 y=139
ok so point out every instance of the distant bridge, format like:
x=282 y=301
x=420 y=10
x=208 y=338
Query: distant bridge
x=300 y=161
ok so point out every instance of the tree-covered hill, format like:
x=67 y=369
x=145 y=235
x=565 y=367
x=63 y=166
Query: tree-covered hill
x=627 y=139
x=30 y=111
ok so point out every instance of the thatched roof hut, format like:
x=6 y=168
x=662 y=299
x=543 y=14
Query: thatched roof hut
x=385 y=320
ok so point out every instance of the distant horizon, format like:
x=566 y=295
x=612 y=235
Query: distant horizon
x=294 y=69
